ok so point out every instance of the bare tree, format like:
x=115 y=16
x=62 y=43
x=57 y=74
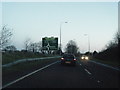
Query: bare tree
x=39 y=46
x=115 y=42
x=71 y=47
x=117 y=38
x=10 y=48
x=5 y=36
x=27 y=43
x=34 y=47
x=111 y=44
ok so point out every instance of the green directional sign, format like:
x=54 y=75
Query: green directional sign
x=50 y=43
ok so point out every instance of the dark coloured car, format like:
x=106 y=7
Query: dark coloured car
x=68 y=59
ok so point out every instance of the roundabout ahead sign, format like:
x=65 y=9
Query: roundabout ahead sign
x=50 y=43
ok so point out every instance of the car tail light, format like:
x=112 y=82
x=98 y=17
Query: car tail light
x=74 y=59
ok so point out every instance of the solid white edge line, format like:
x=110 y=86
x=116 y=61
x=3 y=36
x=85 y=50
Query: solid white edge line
x=28 y=75
x=87 y=71
x=105 y=65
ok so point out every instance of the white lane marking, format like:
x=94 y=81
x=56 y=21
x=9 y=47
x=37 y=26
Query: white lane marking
x=28 y=75
x=98 y=81
x=105 y=65
x=80 y=64
x=87 y=71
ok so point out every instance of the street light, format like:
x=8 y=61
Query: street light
x=60 y=34
x=88 y=42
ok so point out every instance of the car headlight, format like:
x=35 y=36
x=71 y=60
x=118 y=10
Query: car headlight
x=86 y=58
x=82 y=57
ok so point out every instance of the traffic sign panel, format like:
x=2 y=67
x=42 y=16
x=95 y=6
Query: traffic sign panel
x=51 y=42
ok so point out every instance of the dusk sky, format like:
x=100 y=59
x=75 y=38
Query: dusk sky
x=35 y=20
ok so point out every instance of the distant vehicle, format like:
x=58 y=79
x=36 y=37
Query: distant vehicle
x=68 y=59
x=84 y=57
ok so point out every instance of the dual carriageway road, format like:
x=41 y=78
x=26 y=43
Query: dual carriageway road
x=85 y=74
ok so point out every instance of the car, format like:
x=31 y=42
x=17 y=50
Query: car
x=84 y=57
x=68 y=59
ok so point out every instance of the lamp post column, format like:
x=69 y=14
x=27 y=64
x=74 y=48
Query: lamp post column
x=60 y=35
x=88 y=42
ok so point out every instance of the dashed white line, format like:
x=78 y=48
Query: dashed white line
x=87 y=71
x=98 y=81
x=28 y=75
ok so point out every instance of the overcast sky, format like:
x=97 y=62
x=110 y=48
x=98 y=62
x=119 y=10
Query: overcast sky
x=35 y=20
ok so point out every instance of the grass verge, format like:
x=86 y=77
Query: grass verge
x=28 y=65
x=8 y=57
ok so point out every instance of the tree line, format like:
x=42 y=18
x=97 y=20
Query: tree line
x=5 y=42
x=29 y=46
x=111 y=52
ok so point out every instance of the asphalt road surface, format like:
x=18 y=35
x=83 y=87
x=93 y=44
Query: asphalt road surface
x=83 y=75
